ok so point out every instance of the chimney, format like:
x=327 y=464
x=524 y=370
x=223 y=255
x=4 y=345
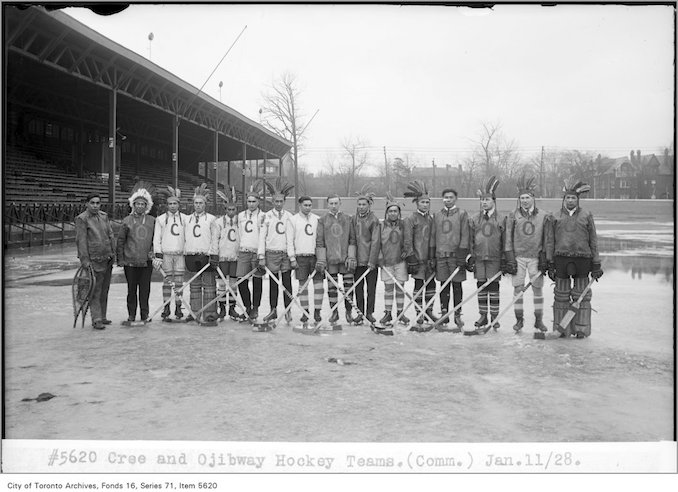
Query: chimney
x=633 y=160
x=666 y=156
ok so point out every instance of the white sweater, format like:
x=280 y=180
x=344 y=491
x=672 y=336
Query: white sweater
x=198 y=230
x=169 y=237
x=303 y=231
x=249 y=224
x=225 y=239
x=274 y=232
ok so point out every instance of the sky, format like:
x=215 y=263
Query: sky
x=421 y=80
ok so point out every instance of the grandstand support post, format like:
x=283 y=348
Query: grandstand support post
x=216 y=169
x=263 y=202
x=112 y=126
x=244 y=160
x=175 y=151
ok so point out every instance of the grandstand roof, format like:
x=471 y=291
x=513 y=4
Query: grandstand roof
x=60 y=65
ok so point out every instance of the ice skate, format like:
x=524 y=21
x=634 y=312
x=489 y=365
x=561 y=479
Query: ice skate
x=519 y=325
x=166 y=314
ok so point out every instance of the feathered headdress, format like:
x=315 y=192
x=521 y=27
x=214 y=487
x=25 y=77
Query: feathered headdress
x=391 y=202
x=173 y=194
x=366 y=194
x=417 y=191
x=256 y=189
x=489 y=188
x=142 y=190
x=525 y=185
x=230 y=199
x=279 y=189
x=202 y=191
x=576 y=187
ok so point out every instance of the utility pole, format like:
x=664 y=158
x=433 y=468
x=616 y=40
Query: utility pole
x=433 y=188
x=388 y=178
x=541 y=174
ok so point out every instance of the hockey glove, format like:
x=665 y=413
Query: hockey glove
x=471 y=264
x=293 y=264
x=596 y=271
x=157 y=263
x=214 y=261
x=461 y=258
x=320 y=266
x=552 y=271
x=542 y=264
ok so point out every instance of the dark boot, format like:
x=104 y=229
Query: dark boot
x=234 y=315
x=177 y=312
x=316 y=316
x=539 y=322
x=222 y=310
x=495 y=324
x=386 y=319
x=430 y=314
x=403 y=319
x=335 y=316
x=166 y=314
x=271 y=316
x=304 y=318
x=443 y=316
x=370 y=318
x=358 y=320
x=519 y=324
x=482 y=321
x=349 y=318
x=457 y=320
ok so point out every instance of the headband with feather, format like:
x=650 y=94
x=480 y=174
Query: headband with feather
x=279 y=189
x=174 y=194
x=417 y=191
x=202 y=191
x=230 y=199
x=366 y=193
x=489 y=188
x=142 y=190
x=525 y=185
x=391 y=202
x=256 y=189
x=574 y=186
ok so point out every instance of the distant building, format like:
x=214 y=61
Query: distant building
x=635 y=176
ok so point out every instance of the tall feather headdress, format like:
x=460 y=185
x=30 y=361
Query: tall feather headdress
x=488 y=188
x=256 y=189
x=143 y=190
x=230 y=199
x=575 y=186
x=173 y=194
x=202 y=191
x=416 y=190
x=391 y=202
x=525 y=185
x=366 y=193
x=280 y=188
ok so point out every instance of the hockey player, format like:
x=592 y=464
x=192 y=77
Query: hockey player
x=419 y=250
x=249 y=224
x=526 y=229
x=336 y=252
x=303 y=230
x=572 y=251
x=449 y=237
x=198 y=232
x=168 y=248
x=487 y=244
x=392 y=258
x=135 y=251
x=96 y=248
x=275 y=245
x=224 y=253
x=366 y=226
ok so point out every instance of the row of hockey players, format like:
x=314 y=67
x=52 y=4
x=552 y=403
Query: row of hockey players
x=430 y=247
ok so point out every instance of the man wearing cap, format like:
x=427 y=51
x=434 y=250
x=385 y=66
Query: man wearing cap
x=198 y=232
x=572 y=251
x=392 y=259
x=224 y=254
x=249 y=225
x=96 y=248
x=168 y=248
x=450 y=238
x=304 y=231
x=275 y=246
x=336 y=252
x=419 y=250
x=526 y=229
x=487 y=236
x=135 y=251
x=366 y=226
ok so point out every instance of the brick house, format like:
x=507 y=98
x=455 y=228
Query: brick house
x=635 y=176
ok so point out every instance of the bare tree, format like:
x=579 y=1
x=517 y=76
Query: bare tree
x=498 y=155
x=401 y=170
x=356 y=160
x=281 y=113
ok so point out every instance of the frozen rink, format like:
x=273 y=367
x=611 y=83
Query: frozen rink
x=227 y=383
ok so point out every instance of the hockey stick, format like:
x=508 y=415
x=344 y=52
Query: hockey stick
x=574 y=307
x=471 y=296
x=518 y=296
x=179 y=291
x=407 y=294
x=228 y=290
x=349 y=292
x=416 y=294
x=445 y=284
x=346 y=298
x=274 y=277
x=289 y=306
